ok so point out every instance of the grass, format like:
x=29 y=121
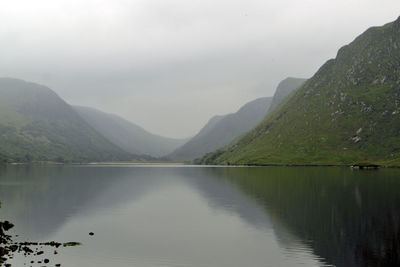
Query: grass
x=348 y=112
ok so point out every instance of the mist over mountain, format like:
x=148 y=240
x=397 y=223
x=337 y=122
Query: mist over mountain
x=37 y=125
x=285 y=88
x=127 y=135
x=221 y=130
x=348 y=112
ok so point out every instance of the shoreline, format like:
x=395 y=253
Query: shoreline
x=353 y=166
x=132 y=163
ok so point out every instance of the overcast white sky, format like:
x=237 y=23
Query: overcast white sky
x=170 y=65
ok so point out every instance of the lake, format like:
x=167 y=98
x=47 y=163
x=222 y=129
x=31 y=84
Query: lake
x=205 y=216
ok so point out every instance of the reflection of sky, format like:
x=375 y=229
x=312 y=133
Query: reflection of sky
x=147 y=217
x=42 y=199
x=227 y=197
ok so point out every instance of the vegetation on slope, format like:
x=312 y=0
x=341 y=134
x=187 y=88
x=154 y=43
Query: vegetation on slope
x=285 y=88
x=221 y=130
x=347 y=113
x=37 y=125
x=127 y=135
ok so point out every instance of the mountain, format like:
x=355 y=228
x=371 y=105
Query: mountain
x=37 y=125
x=347 y=113
x=285 y=88
x=221 y=130
x=127 y=135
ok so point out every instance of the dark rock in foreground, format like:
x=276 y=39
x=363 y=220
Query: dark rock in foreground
x=8 y=247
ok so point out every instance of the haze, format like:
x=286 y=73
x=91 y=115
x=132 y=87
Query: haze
x=171 y=65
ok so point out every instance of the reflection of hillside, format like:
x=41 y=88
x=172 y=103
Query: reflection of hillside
x=226 y=197
x=41 y=199
x=348 y=218
x=222 y=194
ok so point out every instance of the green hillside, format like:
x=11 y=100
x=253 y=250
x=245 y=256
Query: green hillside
x=37 y=125
x=348 y=112
x=284 y=89
x=127 y=135
x=221 y=130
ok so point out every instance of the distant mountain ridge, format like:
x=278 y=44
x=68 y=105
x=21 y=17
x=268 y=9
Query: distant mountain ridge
x=284 y=89
x=347 y=113
x=37 y=125
x=221 y=130
x=127 y=135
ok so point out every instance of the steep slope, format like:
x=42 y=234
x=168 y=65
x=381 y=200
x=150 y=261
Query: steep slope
x=285 y=88
x=221 y=130
x=127 y=135
x=348 y=112
x=36 y=124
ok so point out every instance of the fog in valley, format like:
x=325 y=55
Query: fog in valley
x=169 y=66
x=199 y=133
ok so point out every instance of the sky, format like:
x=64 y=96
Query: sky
x=170 y=65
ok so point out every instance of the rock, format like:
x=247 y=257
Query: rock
x=91 y=233
x=7 y=225
x=365 y=166
x=8 y=247
x=356 y=139
x=28 y=250
x=71 y=244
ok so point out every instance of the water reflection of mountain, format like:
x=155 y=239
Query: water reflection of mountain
x=222 y=194
x=349 y=218
x=42 y=198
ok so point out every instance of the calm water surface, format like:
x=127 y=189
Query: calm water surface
x=206 y=216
